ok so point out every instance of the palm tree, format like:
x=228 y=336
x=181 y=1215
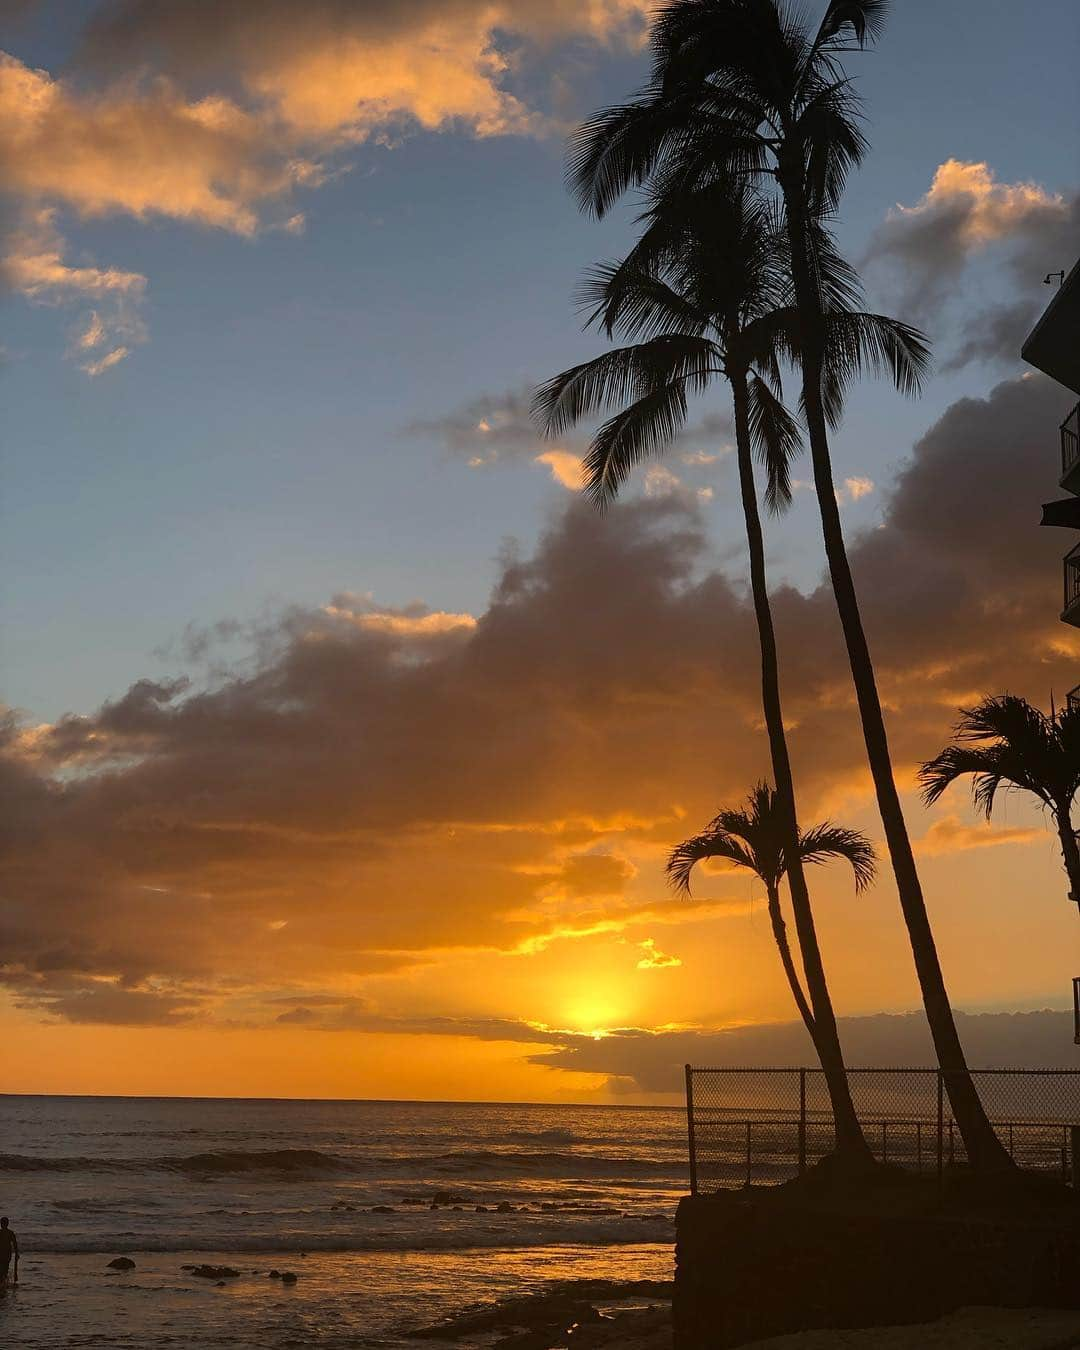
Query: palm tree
x=753 y=837
x=1005 y=741
x=710 y=304
x=743 y=91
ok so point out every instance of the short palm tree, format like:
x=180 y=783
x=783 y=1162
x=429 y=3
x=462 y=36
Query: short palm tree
x=1007 y=743
x=752 y=837
x=745 y=91
x=710 y=304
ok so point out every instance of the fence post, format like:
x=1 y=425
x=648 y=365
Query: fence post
x=884 y=1141
x=1074 y=1142
x=690 y=1128
x=940 y=1128
x=802 y=1121
x=749 y=1156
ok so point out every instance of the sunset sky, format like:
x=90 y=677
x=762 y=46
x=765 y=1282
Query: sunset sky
x=346 y=743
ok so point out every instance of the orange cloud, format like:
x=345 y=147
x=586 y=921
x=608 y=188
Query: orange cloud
x=987 y=209
x=140 y=151
x=566 y=469
x=951 y=835
x=654 y=959
x=375 y=794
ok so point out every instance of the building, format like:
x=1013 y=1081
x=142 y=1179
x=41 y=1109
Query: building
x=1053 y=346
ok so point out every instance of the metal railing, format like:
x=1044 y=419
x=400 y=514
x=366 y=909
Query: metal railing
x=1070 y=442
x=766 y=1126
x=1071 y=564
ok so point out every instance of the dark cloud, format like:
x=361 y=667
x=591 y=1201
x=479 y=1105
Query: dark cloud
x=653 y=1061
x=374 y=786
x=488 y=428
x=116 y=1006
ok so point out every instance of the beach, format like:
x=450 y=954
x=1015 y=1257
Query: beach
x=391 y=1215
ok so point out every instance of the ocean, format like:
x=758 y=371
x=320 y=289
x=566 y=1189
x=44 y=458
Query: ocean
x=586 y=1192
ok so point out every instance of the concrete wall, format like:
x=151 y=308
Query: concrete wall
x=748 y=1267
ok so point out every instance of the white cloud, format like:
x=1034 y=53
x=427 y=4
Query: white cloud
x=660 y=482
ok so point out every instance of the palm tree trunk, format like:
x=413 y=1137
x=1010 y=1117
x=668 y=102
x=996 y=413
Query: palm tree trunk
x=849 y=1136
x=984 y=1149
x=779 y=930
x=1070 y=853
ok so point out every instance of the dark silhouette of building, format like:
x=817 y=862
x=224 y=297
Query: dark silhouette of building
x=1053 y=346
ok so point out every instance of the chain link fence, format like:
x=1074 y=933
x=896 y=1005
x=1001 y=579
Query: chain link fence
x=764 y=1126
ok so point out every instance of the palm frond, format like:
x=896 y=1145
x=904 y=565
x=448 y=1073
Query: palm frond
x=621 y=374
x=956 y=761
x=866 y=19
x=776 y=439
x=711 y=843
x=827 y=841
x=617 y=148
x=832 y=144
x=856 y=343
x=625 y=298
x=643 y=429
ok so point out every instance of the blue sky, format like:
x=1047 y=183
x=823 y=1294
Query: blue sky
x=255 y=450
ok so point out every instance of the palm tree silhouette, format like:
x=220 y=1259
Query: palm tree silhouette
x=709 y=303
x=743 y=91
x=1006 y=742
x=753 y=837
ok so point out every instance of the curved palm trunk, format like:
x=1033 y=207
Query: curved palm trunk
x=984 y=1149
x=849 y=1136
x=1070 y=852
x=779 y=931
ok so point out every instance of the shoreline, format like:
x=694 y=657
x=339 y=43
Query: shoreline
x=636 y=1315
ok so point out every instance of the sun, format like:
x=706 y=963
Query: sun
x=592 y=1016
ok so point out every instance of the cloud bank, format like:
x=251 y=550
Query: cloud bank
x=378 y=787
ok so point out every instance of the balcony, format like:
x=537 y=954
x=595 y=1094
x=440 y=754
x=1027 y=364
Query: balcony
x=1071 y=611
x=1070 y=452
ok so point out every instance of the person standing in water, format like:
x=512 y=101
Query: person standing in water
x=9 y=1247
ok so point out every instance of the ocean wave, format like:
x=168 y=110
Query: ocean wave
x=291 y=1164
x=615 y=1232
x=278 y=1162
x=555 y=1163
x=547 y=1136
x=20 y=1162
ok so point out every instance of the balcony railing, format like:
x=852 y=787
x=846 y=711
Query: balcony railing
x=1070 y=443
x=1071 y=607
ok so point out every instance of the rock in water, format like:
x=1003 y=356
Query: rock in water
x=288 y=1277
x=122 y=1263
x=215 y=1273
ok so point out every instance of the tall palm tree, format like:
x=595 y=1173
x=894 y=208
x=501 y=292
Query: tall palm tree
x=710 y=305
x=744 y=90
x=753 y=837
x=1005 y=741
